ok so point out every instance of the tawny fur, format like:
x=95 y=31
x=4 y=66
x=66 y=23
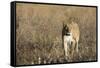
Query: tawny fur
x=73 y=28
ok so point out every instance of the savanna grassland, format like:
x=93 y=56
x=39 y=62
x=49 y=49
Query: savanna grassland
x=39 y=33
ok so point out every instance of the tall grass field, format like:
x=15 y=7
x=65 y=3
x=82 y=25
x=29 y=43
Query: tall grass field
x=39 y=33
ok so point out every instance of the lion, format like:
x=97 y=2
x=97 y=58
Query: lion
x=70 y=36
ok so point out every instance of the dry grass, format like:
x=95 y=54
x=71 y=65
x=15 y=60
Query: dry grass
x=39 y=33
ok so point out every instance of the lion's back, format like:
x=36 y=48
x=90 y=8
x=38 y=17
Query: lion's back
x=74 y=28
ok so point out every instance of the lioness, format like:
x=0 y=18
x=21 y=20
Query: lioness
x=70 y=35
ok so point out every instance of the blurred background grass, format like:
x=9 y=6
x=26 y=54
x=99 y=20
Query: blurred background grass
x=39 y=33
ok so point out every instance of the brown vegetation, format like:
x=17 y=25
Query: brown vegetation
x=39 y=33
